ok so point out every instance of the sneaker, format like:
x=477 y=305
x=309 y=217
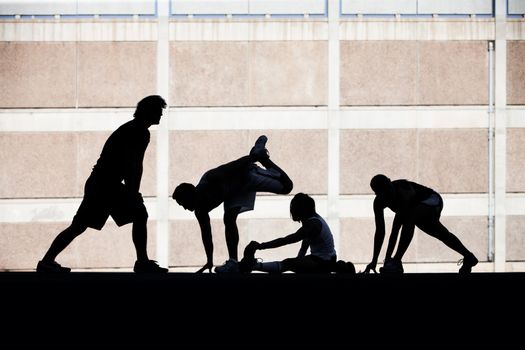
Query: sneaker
x=467 y=263
x=148 y=266
x=230 y=266
x=392 y=266
x=259 y=150
x=344 y=267
x=51 y=266
x=248 y=261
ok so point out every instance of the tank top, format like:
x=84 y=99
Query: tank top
x=322 y=245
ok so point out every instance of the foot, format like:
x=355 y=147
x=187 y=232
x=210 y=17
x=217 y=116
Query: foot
x=248 y=261
x=230 y=266
x=392 y=266
x=342 y=266
x=259 y=150
x=51 y=267
x=148 y=266
x=467 y=262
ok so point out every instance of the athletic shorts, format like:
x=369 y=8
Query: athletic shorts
x=102 y=200
x=257 y=180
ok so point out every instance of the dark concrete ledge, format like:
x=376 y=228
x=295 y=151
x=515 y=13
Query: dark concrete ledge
x=335 y=303
x=184 y=289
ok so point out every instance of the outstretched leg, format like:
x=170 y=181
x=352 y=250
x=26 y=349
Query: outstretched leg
x=428 y=222
x=437 y=230
x=62 y=240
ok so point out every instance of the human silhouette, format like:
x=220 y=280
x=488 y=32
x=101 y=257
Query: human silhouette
x=113 y=189
x=314 y=234
x=413 y=205
x=235 y=184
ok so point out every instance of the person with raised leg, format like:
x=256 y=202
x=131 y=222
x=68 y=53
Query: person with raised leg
x=235 y=185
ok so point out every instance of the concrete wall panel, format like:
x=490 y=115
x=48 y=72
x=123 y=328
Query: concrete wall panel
x=379 y=73
x=454 y=161
x=515 y=73
x=116 y=74
x=36 y=165
x=515 y=164
x=453 y=73
x=515 y=238
x=365 y=153
x=37 y=74
x=289 y=73
x=248 y=74
x=414 y=73
x=209 y=73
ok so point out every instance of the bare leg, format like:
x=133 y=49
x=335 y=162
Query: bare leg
x=437 y=230
x=62 y=240
x=140 y=240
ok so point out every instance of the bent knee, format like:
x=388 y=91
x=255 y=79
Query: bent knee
x=287 y=187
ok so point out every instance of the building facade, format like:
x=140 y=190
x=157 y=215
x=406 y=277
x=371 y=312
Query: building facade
x=431 y=91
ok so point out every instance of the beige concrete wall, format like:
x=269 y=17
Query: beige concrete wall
x=515 y=238
x=454 y=160
x=283 y=73
x=414 y=73
x=365 y=153
x=36 y=74
x=262 y=72
x=302 y=154
x=515 y=160
x=116 y=74
x=448 y=160
x=453 y=73
x=357 y=240
x=24 y=244
x=379 y=73
x=56 y=74
x=54 y=165
x=515 y=73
